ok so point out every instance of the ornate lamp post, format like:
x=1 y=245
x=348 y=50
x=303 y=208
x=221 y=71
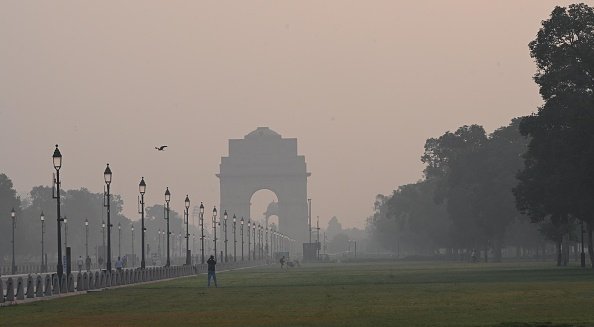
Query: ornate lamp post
x=142 y=190
x=66 y=233
x=201 y=219
x=159 y=242
x=234 y=239
x=188 y=253
x=241 y=239
x=225 y=216
x=214 y=227
x=254 y=236
x=119 y=240
x=13 y=216
x=107 y=176
x=249 y=241
x=103 y=231
x=167 y=199
x=86 y=239
x=133 y=256
x=43 y=263
x=57 y=161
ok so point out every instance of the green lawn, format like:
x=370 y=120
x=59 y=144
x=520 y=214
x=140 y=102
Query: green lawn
x=370 y=294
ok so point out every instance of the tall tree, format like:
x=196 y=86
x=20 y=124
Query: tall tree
x=557 y=184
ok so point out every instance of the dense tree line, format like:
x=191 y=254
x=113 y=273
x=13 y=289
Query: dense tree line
x=479 y=191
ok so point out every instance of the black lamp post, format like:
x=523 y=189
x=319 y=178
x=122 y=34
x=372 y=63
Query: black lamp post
x=103 y=231
x=167 y=199
x=57 y=161
x=133 y=255
x=188 y=253
x=249 y=241
x=119 y=240
x=107 y=176
x=66 y=233
x=42 y=217
x=142 y=190
x=86 y=240
x=241 y=239
x=214 y=227
x=234 y=239
x=13 y=216
x=225 y=216
x=201 y=218
x=254 y=236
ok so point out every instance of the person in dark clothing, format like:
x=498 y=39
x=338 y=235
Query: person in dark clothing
x=211 y=270
x=282 y=262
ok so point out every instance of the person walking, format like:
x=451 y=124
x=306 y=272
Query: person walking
x=88 y=263
x=119 y=264
x=79 y=262
x=211 y=270
x=282 y=262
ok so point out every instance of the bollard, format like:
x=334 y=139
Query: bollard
x=1 y=291
x=39 y=286
x=118 y=279
x=20 y=295
x=9 y=290
x=91 y=281
x=85 y=281
x=79 y=283
x=100 y=279
x=30 y=287
x=70 y=283
x=48 y=285
x=55 y=284
x=64 y=284
x=112 y=281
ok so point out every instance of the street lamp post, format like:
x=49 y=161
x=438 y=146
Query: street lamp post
x=119 y=240
x=57 y=161
x=214 y=227
x=142 y=190
x=254 y=236
x=13 y=216
x=42 y=217
x=202 y=232
x=241 y=239
x=167 y=199
x=249 y=241
x=66 y=233
x=86 y=239
x=107 y=176
x=188 y=253
x=103 y=233
x=234 y=239
x=225 y=216
x=133 y=256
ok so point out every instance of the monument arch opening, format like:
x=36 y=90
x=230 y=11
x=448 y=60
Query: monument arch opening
x=264 y=160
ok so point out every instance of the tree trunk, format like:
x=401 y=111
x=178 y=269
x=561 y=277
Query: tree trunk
x=590 y=245
x=497 y=252
x=559 y=254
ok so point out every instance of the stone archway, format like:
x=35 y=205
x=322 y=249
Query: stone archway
x=263 y=159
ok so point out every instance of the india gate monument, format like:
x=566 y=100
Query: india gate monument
x=264 y=160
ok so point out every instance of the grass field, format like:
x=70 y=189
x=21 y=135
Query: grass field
x=370 y=294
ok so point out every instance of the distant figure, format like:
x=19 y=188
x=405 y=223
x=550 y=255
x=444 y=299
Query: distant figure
x=473 y=257
x=282 y=262
x=211 y=270
x=161 y=148
x=119 y=264
x=79 y=262
x=88 y=262
x=100 y=261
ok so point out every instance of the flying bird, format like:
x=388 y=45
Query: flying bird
x=161 y=148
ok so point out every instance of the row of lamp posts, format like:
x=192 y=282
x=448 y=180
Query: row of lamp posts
x=107 y=174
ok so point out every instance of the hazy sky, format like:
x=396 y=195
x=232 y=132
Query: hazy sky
x=361 y=84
